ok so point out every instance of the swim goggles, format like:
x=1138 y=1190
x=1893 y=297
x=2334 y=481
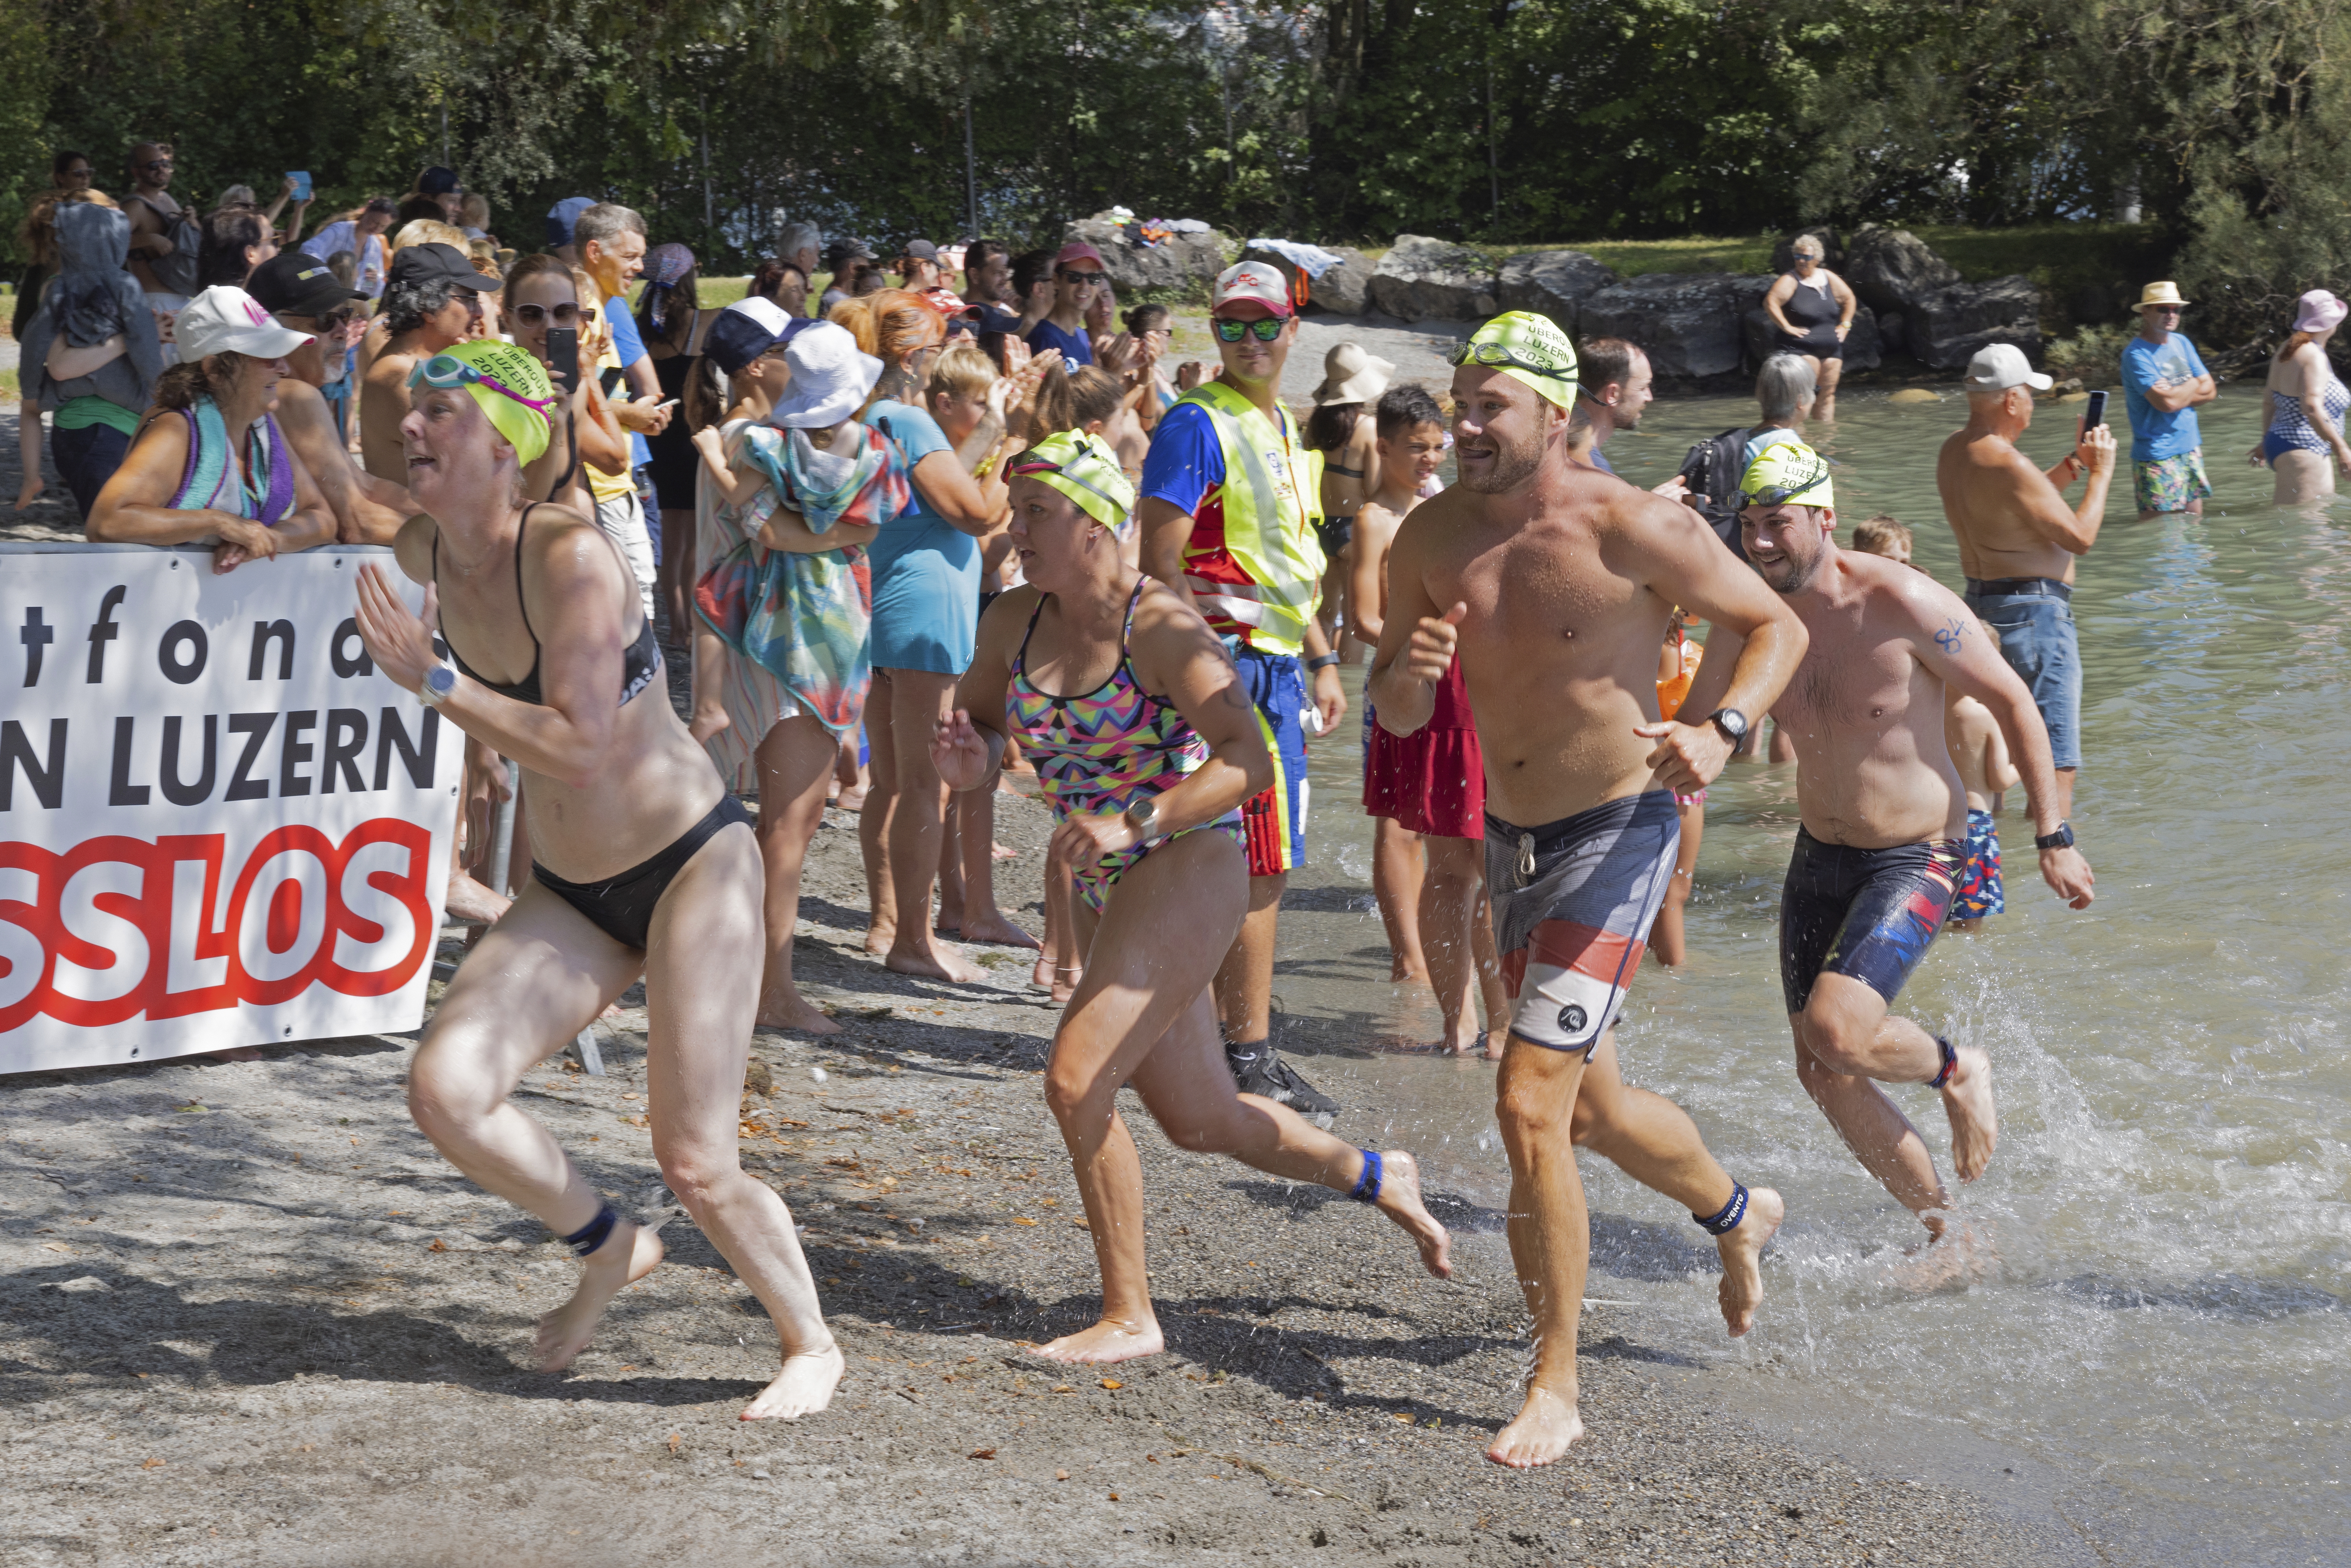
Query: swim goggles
x=1232 y=330
x=445 y=371
x=1493 y=355
x=1779 y=494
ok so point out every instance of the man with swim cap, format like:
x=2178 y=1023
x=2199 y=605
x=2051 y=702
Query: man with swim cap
x=2018 y=539
x=1554 y=583
x=1883 y=819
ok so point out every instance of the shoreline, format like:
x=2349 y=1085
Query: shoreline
x=255 y=1318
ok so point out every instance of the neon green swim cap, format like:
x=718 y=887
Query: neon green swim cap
x=1529 y=347
x=1787 y=472
x=509 y=384
x=1083 y=467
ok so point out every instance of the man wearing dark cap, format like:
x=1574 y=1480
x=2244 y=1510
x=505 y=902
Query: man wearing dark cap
x=561 y=218
x=918 y=266
x=429 y=304
x=299 y=291
x=441 y=186
x=362 y=236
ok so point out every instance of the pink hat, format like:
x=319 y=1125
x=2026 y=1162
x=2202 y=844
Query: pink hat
x=1078 y=250
x=1258 y=281
x=2319 y=311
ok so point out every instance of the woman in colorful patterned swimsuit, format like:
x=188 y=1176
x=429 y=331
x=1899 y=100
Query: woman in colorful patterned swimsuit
x=1146 y=790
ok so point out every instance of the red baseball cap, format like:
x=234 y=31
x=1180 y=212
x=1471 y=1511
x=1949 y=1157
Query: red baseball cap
x=1257 y=281
x=1078 y=250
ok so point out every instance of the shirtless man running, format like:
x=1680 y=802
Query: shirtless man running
x=1885 y=816
x=2018 y=539
x=1554 y=583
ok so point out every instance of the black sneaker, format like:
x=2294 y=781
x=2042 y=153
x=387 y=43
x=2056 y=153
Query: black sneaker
x=1259 y=1070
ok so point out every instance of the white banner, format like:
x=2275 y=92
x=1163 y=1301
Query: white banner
x=218 y=825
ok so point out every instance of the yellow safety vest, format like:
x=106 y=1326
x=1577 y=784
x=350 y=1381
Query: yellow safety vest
x=1270 y=493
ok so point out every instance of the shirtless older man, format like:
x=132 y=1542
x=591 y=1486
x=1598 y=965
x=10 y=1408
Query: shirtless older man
x=2018 y=539
x=1885 y=820
x=1554 y=583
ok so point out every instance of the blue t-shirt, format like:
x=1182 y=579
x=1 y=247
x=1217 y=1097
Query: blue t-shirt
x=926 y=570
x=1185 y=460
x=1077 y=349
x=2156 y=435
x=630 y=344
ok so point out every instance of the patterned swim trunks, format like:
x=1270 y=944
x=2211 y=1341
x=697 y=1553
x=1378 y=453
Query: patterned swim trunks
x=1978 y=892
x=2170 y=484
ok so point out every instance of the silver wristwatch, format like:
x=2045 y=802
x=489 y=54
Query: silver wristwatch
x=438 y=683
x=1144 y=818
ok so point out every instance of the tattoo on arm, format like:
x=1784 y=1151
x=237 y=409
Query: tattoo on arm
x=1948 y=639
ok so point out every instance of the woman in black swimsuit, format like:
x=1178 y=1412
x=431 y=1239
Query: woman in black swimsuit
x=540 y=294
x=643 y=865
x=1813 y=307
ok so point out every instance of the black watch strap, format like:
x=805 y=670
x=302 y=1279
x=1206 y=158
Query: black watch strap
x=2062 y=839
x=1320 y=662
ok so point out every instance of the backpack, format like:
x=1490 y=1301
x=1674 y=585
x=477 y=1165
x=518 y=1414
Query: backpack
x=176 y=270
x=1712 y=472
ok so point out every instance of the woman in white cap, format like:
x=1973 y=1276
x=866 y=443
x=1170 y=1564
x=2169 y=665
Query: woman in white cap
x=209 y=463
x=642 y=865
x=1146 y=745
x=788 y=502
x=1339 y=432
x=2304 y=444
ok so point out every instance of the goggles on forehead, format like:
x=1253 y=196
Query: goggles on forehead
x=1492 y=354
x=445 y=372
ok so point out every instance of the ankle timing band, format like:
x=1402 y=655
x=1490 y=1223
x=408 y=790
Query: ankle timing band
x=1367 y=1185
x=1950 y=1060
x=1725 y=1220
x=590 y=1236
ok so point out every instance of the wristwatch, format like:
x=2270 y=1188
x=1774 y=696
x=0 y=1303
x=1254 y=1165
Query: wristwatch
x=440 y=681
x=1731 y=721
x=2062 y=839
x=1144 y=818
x=1320 y=662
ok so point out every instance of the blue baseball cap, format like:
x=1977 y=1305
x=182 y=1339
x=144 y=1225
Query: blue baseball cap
x=562 y=215
x=748 y=328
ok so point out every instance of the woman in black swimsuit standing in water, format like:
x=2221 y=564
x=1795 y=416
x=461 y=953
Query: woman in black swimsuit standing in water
x=642 y=863
x=1813 y=307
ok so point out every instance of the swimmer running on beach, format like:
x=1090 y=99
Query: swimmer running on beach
x=1883 y=819
x=1554 y=583
x=1148 y=745
x=642 y=863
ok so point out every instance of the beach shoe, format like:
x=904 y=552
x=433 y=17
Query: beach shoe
x=1259 y=1070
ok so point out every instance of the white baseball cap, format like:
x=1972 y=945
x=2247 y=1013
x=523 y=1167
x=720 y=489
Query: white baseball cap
x=2002 y=366
x=1260 y=281
x=225 y=320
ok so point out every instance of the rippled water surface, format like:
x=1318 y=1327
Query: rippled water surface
x=2157 y=1354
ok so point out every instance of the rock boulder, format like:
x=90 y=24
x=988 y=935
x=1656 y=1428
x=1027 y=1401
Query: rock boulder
x=1946 y=328
x=1183 y=261
x=1424 y=279
x=1864 y=349
x=1892 y=269
x=1687 y=323
x=1553 y=283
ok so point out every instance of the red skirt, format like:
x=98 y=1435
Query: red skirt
x=1433 y=781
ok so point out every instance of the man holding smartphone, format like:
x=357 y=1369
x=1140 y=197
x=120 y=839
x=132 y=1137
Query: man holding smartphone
x=2163 y=381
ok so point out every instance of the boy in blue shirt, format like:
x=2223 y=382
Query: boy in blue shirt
x=2163 y=381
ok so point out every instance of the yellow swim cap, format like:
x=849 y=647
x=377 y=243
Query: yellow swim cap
x=509 y=384
x=1529 y=347
x=1083 y=467
x=1787 y=472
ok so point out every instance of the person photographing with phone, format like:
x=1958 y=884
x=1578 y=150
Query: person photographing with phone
x=2163 y=381
x=2018 y=539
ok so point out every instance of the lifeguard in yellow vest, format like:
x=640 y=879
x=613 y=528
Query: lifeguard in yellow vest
x=1227 y=496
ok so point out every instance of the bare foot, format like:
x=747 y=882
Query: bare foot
x=1547 y=1424
x=29 y=494
x=471 y=903
x=879 y=937
x=1401 y=968
x=1967 y=1100
x=1473 y=1046
x=797 y=1013
x=707 y=722
x=804 y=1387
x=851 y=800
x=1065 y=983
x=628 y=1255
x=997 y=852
x=1741 y=1290
x=1494 y=1037
x=999 y=931
x=1107 y=1340
x=1960 y=1254
x=1400 y=1201
x=939 y=962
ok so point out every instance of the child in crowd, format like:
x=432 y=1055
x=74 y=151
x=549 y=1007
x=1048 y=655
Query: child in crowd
x=1980 y=753
x=1677 y=668
x=1881 y=535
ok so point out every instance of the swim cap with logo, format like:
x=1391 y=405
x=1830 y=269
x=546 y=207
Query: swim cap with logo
x=509 y=384
x=1082 y=466
x=1787 y=473
x=1529 y=347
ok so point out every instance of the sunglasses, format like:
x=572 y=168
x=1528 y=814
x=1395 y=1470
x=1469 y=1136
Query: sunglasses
x=445 y=372
x=537 y=315
x=333 y=322
x=1496 y=354
x=157 y=164
x=1266 y=327
x=1096 y=279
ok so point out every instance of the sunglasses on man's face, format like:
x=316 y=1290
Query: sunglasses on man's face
x=1266 y=327
x=156 y=163
x=540 y=315
x=1094 y=278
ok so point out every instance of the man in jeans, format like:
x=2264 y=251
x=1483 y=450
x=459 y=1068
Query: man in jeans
x=2163 y=381
x=2018 y=539
x=1239 y=548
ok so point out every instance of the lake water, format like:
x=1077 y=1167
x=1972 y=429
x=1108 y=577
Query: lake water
x=2157 y=1357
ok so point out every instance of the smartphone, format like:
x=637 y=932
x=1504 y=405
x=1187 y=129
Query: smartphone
x=563 y=356
x=2094 y=414
x=301 y=178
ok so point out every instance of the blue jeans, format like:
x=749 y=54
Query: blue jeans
x=2037 y=639
x=86 y=458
